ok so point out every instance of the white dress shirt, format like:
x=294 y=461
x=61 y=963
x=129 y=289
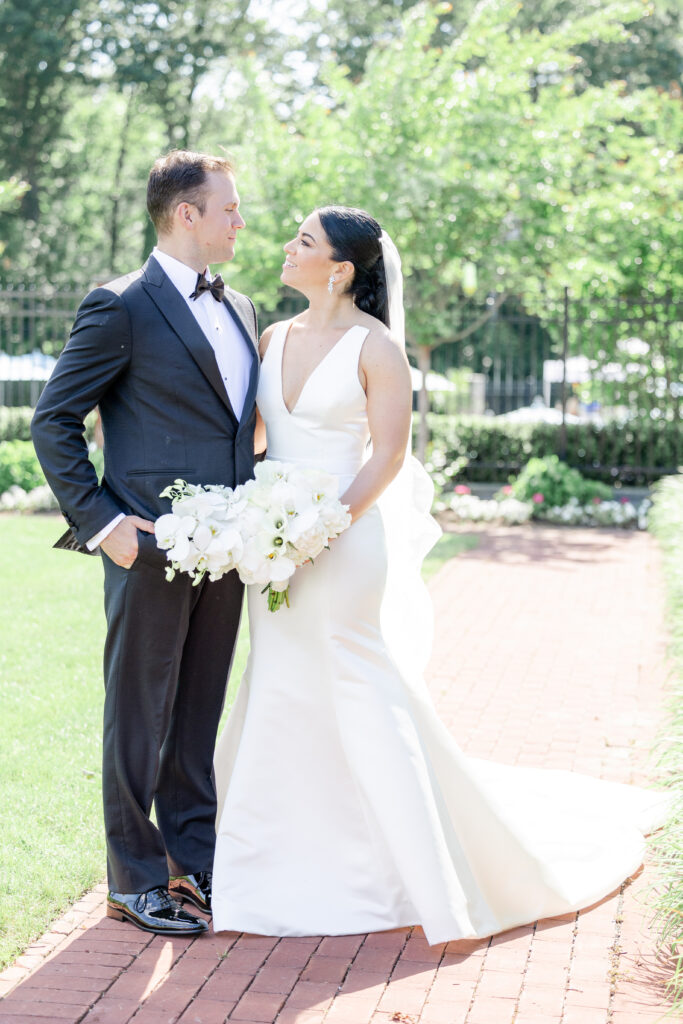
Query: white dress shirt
x=220 y=330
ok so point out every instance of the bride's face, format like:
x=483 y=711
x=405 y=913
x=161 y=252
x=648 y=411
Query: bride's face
x=308 y=263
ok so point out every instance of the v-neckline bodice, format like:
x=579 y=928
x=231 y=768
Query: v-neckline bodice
x=316 y=368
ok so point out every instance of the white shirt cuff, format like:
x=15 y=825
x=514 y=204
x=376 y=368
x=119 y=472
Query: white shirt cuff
x=95 y=541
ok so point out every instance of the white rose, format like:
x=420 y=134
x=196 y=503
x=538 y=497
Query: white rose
x=313 y=541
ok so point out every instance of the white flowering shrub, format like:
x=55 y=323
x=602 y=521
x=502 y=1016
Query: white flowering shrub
x=505 y=509
x=481 y=510
x=16 y=499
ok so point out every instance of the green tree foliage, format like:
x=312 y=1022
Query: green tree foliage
x=452 y=151
x=42 y=53
x=10 y=193
x=347 y=32
x=90 y=93
x=489 y=148
x=493 y=151
x=165 y=49
x=162 y=53
x=649 y=53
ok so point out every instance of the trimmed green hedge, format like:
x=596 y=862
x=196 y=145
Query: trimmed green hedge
x=19 y=466
x=634 y=453
x=15 y=423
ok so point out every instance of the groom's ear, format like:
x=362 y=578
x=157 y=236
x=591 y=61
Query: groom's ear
x=186 y=215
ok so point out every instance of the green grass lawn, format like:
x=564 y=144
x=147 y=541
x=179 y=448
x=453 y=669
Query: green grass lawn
x=51 y=631
x=448 y=546
x=51 y=636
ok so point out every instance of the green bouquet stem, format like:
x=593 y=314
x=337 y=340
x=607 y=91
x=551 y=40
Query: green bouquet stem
x=276 y=598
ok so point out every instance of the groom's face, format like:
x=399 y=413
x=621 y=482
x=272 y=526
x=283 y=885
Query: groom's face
x=216 y=229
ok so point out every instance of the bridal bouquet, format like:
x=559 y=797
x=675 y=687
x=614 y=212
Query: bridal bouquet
x=202 y=533
x=265 y=529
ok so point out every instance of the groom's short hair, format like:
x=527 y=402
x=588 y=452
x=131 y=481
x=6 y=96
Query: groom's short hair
x=179 y=177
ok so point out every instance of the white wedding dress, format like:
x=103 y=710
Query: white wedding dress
x=345 y=806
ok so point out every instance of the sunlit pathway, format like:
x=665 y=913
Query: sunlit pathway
x=549 y=651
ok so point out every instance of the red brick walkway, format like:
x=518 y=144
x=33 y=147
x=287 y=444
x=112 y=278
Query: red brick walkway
x=549 y=651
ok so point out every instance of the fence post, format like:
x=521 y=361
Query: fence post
x=565 y=351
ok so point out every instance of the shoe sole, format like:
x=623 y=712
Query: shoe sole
x=121 y=915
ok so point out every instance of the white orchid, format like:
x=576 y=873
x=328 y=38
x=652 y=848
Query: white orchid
x=270 y=471
x=252 y=567
x=320 y=486
x=169 y=528
x=302 y=523
x=263 y=561
x=200 y=534
x=292 y=512
x=223 y=552
x=202 y=506
x=265 y=528
x=185 y=554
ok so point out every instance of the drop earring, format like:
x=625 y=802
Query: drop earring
x=330 y=284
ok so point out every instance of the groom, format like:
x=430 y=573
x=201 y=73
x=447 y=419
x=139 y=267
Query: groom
x=170 y=358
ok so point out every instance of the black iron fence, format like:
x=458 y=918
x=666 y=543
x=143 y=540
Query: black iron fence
x=34 y=326
x=601 y=382
x=626 y=354
x=583 y=365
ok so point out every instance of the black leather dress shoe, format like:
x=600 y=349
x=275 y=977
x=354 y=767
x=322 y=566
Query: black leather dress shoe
x=195 y=888
x=154 y=911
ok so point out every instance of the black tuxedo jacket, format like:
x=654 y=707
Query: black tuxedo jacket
x=138 y=353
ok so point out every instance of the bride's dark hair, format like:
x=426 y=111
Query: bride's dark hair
x=355 y=236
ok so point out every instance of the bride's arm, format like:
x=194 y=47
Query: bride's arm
x=260 y=428
x=259 y=434
x=388 y=386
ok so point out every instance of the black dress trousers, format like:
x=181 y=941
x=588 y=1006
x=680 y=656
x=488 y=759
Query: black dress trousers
x=167 y=657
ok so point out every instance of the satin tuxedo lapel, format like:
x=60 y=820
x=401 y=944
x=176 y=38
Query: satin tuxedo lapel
x=250 y=396
x=174 y=310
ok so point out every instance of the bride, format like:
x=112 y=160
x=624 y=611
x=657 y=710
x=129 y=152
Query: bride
x=345 y=806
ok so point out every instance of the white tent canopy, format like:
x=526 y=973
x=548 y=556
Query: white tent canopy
x=30 y=366
x=433 y=381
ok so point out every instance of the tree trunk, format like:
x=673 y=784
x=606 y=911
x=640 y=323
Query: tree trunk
x=30 y=201
x=424 y=363
x=118 y=176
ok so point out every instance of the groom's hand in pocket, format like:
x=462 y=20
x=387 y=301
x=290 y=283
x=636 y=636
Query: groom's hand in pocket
x=121 y=545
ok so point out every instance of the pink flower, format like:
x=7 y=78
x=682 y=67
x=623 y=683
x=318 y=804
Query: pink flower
x=507 y=489
x=597 y=501
x=462 y=489
x=624 y=501
x=537 y=498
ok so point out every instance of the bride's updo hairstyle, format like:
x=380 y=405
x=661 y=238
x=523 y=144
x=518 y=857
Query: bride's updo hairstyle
x=355 y=236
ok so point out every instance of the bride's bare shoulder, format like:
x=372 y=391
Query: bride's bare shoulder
x=383 y=361
x=380 y=344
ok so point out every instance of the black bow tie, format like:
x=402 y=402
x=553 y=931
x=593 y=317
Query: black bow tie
x=216 y=287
